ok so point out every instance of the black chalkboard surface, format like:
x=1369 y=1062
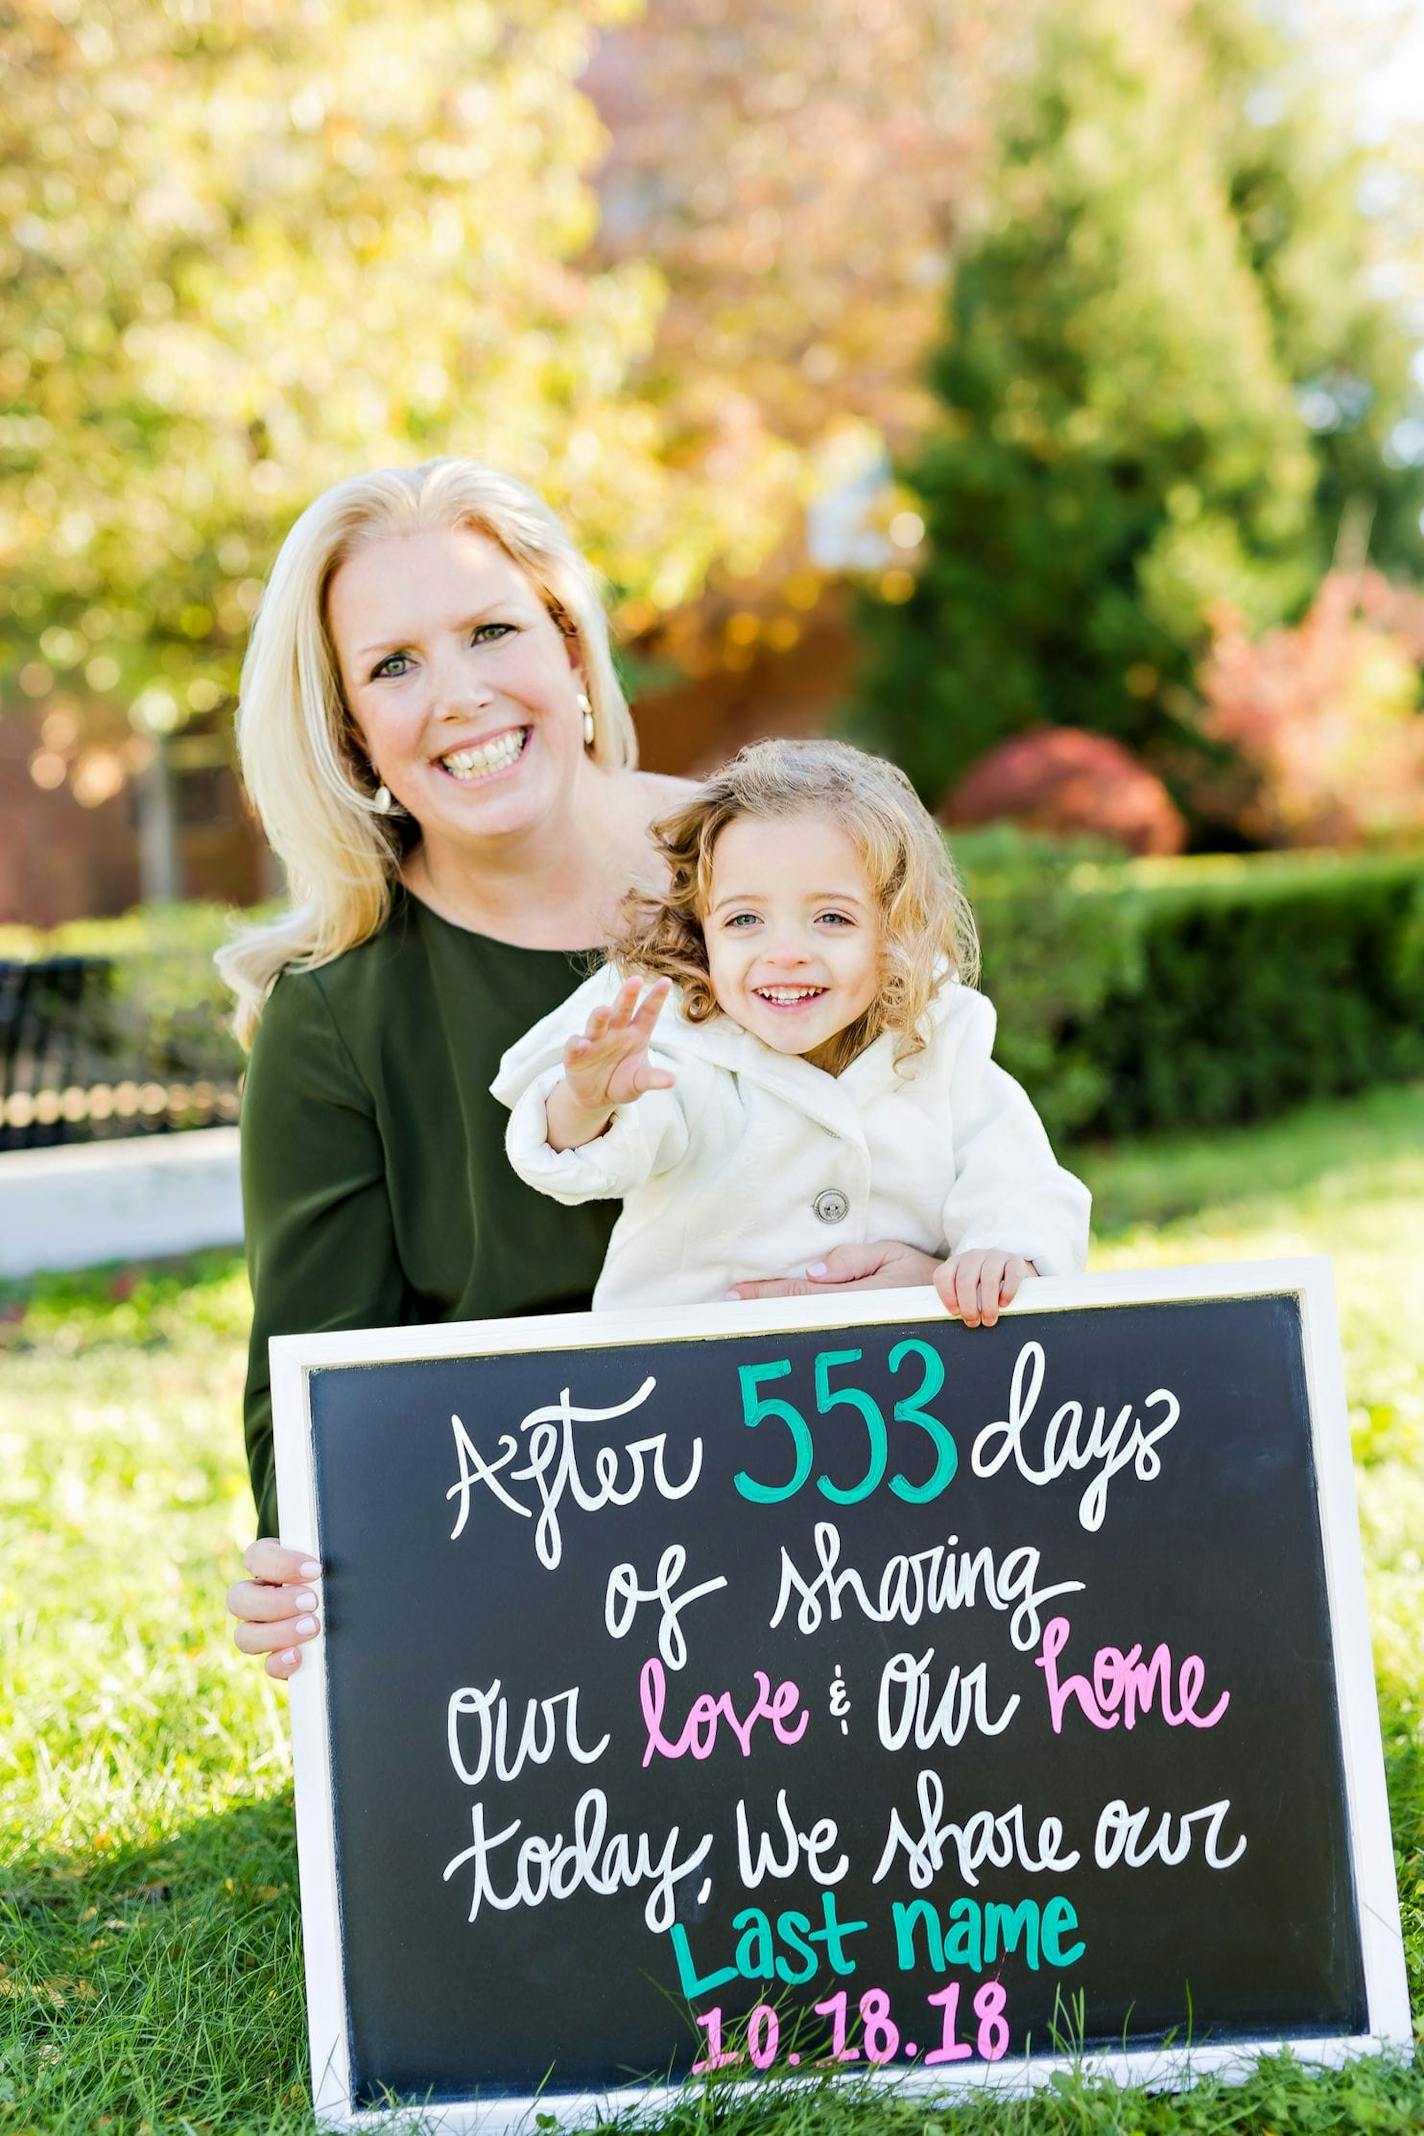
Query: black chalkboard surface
x=817 y=1685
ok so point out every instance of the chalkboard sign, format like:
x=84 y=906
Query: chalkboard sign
x=828 y=1685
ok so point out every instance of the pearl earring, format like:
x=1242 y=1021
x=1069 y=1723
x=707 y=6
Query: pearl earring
x=587 y=710
x=381 y=800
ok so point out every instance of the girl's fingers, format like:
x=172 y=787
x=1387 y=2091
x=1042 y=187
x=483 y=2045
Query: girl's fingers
x=991 y=1284
x=625 y=1004
x=272 y=1562
x=1015 y=1269
x=285 y=1664
x=966 y=1290
x=651 y=1005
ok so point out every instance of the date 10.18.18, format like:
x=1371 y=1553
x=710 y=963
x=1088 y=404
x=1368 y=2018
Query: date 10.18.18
x=881 y=2037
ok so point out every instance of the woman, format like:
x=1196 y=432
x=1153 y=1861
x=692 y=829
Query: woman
x=435 y=739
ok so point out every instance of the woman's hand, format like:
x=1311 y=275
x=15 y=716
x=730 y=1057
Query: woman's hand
x=276 y=1608
x=607 y=1067
x=885 y=1265
x=974 y=1285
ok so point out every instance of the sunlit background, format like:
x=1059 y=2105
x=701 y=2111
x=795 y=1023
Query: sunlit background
x=1031 y=390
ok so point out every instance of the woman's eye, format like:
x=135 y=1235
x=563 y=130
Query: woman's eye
x=386 y=669
x=837 y=919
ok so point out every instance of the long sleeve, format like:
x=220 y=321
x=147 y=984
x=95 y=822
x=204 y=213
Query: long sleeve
x=1009 y=1190
x=320 y=1245
x=643 y=1139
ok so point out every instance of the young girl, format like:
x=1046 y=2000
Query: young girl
x=811 y=1064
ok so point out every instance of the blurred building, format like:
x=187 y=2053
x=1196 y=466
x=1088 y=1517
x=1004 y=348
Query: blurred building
x=92 y=838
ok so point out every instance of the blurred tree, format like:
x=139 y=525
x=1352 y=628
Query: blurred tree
x=802 y=176
x=247 y=249
x=1166 y=372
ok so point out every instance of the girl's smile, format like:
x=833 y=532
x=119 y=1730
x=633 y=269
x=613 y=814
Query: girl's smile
x=793 y=931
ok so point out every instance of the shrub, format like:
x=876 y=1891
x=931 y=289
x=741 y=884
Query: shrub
x=1262 y=982
x=1132 y=994
x=1321 y=720
x=1155 y=994
x=1065 y=782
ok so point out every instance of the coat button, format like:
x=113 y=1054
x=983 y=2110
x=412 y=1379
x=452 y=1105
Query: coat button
x=831 y=1205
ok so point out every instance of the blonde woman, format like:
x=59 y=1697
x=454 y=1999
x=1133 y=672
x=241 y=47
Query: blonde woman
x=434 y=737
x=824 y=1064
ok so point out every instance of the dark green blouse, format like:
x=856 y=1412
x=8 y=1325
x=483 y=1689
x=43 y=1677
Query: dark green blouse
x=375 y=1187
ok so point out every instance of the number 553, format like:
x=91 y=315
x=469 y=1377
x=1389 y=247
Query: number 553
x=758 y=1407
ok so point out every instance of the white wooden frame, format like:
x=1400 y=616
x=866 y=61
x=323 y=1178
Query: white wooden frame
x=1308 y=1280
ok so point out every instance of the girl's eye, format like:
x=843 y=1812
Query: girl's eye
x=742 y=919
x=837 y=919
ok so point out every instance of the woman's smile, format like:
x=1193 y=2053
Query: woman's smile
x=479 y=761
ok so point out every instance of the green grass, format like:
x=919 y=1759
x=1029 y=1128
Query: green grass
x=150 y=1974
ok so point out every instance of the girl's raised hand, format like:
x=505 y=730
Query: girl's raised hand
x=608 y=1066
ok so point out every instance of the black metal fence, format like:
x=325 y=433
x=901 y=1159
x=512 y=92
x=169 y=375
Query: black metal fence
x=63 y=1074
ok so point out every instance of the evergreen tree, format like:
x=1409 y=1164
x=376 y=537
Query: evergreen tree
x=1164 y=375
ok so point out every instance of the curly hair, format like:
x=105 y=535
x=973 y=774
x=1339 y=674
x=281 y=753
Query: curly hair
x=929 y=929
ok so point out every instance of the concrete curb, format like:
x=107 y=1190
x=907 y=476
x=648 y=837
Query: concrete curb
x=134 y=1199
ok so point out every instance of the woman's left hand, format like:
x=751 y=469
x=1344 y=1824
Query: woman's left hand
x=885 y=1265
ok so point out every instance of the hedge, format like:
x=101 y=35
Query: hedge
x=1148 y=995
x=1132 y=995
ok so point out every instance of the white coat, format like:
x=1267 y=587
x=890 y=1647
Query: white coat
x=755 y=1163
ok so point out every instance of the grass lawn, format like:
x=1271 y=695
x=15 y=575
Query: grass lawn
x=150 y=1972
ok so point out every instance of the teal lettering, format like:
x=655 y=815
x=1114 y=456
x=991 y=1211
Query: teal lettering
x=919 y=1912
x=1058 y=1916
x=966 y=1935
x=792 y=1927
x=834 y=1933
x=975 y=1934
x=692 y=1983
x=1006 y=1926
x=754 y=1959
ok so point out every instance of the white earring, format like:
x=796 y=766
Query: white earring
x=587 y=710
x=381 y=800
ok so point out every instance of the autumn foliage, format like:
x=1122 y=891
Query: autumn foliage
x=1064 y=782
x=1322 y=720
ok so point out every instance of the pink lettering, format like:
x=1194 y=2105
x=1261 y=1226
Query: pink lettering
x=706 y=1714
x=1120 y=1686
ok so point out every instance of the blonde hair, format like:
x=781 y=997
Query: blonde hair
x=302 y=761
x=925 y=914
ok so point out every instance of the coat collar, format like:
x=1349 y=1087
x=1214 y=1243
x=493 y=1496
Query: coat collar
x=835 y=1101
